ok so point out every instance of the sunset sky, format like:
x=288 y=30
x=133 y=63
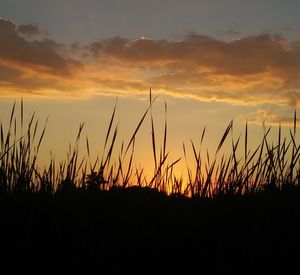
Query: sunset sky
x=210 y=60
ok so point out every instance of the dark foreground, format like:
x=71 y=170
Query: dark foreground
x=146 y=232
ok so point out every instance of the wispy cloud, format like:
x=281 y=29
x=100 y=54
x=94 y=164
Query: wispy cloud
x=29 y=30
x=271 y=117
x=248 y=70
x=38 y=55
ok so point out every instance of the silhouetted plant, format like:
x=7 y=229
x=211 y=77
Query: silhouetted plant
x=95 y=180
x=268 y=167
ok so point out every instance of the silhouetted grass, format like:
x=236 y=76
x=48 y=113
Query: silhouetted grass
x=231 y=213
x=269 y=166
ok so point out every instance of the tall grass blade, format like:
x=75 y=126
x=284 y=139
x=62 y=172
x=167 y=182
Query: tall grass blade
x=295 y=122
x=165 y=131
x=110 y=124
x=136 y=130
x=229 y=127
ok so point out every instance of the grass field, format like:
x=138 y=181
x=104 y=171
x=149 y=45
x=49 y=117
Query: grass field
x=268 y=166
x=231 y=212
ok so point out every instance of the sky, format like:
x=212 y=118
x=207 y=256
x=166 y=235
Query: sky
x=210 y=60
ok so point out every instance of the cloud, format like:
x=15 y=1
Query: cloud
x=200 y=61
x=249 y=70
x=244 y=56
x=271 y=117
x=29 y=30
x=38 y=55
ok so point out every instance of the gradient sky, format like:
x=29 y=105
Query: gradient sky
x=211 y=60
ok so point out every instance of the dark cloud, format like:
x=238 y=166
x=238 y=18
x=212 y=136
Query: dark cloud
x=249 y=70
x=264 y=63
x=9 y=75
x=108 y=47
x=75 y=47
x=42 y=55
x=16 y=79
x=7 y=25
x=249 y=55
x=29 y=30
